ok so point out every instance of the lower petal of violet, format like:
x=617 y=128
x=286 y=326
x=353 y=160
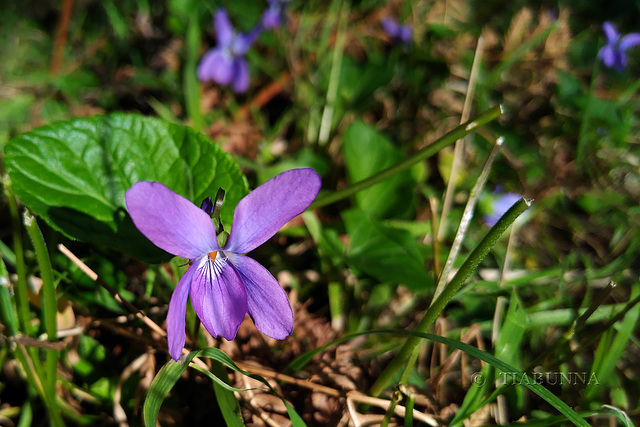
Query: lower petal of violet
x=216 y=65
x=241 y=78
x=176 y=314
x=268 y=303
x=218 y=297
x=607 y=55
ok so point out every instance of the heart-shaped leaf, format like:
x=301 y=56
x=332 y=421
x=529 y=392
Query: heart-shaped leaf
x=74 y=174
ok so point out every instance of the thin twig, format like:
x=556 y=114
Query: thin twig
x=459 y=146
x=467 y=215
x=265 y=95
x=126 y=304
x=356 y=396
x=61 y=36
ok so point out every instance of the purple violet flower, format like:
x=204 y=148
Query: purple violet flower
x=499 y=205
x=224 y=285
x=273 y=17
x=613 y=54
x=400 y=34
x=225 y=64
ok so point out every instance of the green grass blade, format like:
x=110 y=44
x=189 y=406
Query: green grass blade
x=22 y=298
x=171 y=372
x=449 y=291
x=428 y=151
x=220 y=356
x=519 y=377
x=7 y=309
x=609 y=353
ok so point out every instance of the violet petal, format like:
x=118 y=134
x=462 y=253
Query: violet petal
x=208 y=64
x=630 y=40
x=405 y=34
x=267 y=302
x=271 y=18
x=223 y=28
x=242 y=42
x=610 y=32
x=221 y=70
x=170 y=221
x=607 y=55
x=391 y=27
x=621 y=61
x=261 y=213
x=176 y=314
x=500 y=206
x=241 y=78
x=219 y=297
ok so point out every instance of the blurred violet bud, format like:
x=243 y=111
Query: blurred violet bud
x=273 y=17
x=400 y=34
x=225 y=64
x=613 y=54
x=498 y=205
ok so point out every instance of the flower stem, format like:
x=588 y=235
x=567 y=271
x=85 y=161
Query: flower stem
x=46 y=273
x=432 y=313
x=49 y=309
x=428 y=151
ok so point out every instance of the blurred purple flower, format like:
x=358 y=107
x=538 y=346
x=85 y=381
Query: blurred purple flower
x=273 y=17
x=613 y=54
x=224 y=285
x=400 y=34
x=225 y=64
x=498 y=206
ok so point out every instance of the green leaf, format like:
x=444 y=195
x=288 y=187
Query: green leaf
x=389 y=254
x=358 y=82
x=367 y=152
x=74 y=174
x=512 y=332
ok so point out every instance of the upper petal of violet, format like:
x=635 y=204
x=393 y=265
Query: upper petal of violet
x=261 y=213
x=610 y=32
x=170 y=221
x=630 y=40
x=242 y=42
x=223 y=28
